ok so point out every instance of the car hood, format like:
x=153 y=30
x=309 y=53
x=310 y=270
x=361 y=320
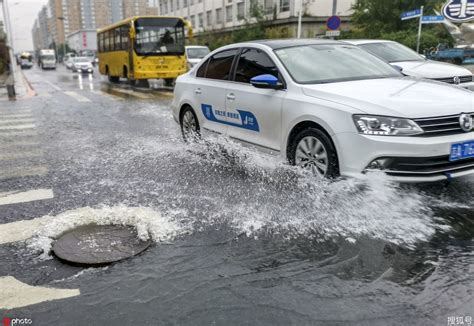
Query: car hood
x=194 y=60
x=431 y=69
x=401 y=97
x=83 y=65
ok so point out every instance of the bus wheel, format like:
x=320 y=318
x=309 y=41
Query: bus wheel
x=142 y=83
x=114 y=79
x=169 y=82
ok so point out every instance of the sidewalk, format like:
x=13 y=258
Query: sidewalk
x=22 y=88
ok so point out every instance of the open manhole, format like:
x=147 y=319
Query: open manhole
x=99 y=244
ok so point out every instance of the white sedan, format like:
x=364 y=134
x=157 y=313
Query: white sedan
x=329 y=107
x=413 y=64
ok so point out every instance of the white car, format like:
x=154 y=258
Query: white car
x=329 y=107
x=195 y=53
x=82 y=65
x=413 y=64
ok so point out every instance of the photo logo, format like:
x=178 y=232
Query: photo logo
x=16 y=321
x=459 y=10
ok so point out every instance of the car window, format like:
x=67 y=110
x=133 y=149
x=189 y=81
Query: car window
x=253 y=62
x=202 y=70
x=220 y=64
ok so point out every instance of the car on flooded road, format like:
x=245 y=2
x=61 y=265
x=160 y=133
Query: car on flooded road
x=82 y=65
x=412 y=64
x=329 y=107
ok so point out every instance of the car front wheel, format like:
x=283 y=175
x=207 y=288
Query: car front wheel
x=189 y=125
x=312 y=150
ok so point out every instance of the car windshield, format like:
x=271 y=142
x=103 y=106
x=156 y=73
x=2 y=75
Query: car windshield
x=159 y=36
x=326 y=63
x=197 y=53
x=392 y=51
x=81 y=60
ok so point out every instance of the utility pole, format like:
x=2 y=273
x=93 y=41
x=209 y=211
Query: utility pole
x=418 y=40
x=300 y=13
x=334 y=7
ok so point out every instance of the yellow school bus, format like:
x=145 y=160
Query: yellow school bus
x=143 y=47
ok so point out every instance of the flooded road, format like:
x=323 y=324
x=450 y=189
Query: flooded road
x=238 y=238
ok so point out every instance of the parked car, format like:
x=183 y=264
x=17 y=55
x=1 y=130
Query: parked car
x=329 y=107
x=195 y=53
x=413 y=64
x=82 y=65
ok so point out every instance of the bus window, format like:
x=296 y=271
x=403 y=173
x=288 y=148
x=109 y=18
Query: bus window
x=125 y=31
x=117 y=39
x=159 y=36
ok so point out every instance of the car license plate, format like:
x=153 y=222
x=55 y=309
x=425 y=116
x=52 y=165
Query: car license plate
x=461 y=151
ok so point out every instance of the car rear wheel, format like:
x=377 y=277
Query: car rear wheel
x=312 y=150
x=189 y=125
x=114 y=79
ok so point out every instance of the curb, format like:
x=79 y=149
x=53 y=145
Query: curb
x=30 y=90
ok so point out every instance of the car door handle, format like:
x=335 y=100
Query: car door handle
x=198 y=91
x=230 y=97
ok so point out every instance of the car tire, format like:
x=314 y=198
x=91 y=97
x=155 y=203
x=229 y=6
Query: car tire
x=114 y=79
x=189 y=122
x=314 y=151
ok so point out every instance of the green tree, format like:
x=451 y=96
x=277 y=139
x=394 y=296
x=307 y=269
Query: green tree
x=381 y=19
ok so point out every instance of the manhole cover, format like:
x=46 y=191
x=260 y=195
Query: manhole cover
x=99 y=244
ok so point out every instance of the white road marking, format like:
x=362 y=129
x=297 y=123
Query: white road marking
x=8 y=198
x=21 y=172
x=13 y=121
x=105 y=94
x=18 y=127
x=13 y=145
x=52 y=85
x=6 y=156
x=77 y=96
x=16 y=294
x=22 y=230
x=132 y=93
x=18 y=133
x=16 y=116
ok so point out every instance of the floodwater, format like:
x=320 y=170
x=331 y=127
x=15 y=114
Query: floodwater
x=238 y=238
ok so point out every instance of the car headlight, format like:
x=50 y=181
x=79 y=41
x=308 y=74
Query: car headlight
x=386 y=126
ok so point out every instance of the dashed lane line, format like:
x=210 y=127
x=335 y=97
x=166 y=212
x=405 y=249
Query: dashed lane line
x=8 y=198
x=18 y=127
x=77 y=96
x=21 y=172
x=16 y=294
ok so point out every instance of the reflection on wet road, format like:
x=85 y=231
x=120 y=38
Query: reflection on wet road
x=238 y=239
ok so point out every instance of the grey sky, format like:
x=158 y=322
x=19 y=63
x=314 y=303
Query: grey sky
x=23 y=14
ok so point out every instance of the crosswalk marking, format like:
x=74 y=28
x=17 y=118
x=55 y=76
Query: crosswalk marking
x=22 y=230
x=16 y=294
x=16 y=116
x=14 y=145
x=7 y=156
x=77 y=96
x=8 y=198
x=132 y=93
x=5 y=134
x=20 y=172
x=16 y=121
x=108 y=95
x=18 y=127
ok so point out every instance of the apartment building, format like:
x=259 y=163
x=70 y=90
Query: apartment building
x=208 y=15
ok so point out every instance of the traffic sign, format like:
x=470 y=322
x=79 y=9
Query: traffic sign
x=432 y=19
x=411 y=14
x=333 y=33
x=333 y=23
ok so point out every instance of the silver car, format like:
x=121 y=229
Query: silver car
x=413 y=64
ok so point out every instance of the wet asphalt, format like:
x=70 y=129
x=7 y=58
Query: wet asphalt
x=240 y=241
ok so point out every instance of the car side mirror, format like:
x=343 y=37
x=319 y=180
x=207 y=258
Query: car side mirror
x=266 y=81
x=400 y=69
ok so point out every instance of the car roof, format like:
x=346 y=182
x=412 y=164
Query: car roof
x=366 y=41
x=286 y=43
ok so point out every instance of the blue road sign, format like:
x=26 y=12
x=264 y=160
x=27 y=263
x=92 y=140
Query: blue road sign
x=410 y=14
x=333 y=23
x=432 y=19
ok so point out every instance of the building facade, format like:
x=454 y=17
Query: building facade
x=208 y=15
